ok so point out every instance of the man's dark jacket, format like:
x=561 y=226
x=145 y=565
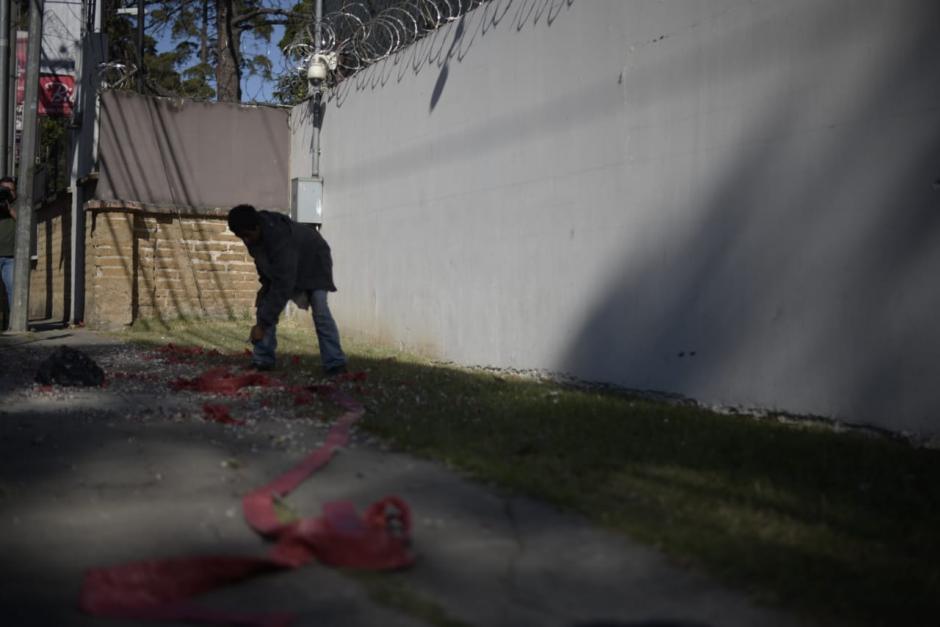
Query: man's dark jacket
x=290 y=258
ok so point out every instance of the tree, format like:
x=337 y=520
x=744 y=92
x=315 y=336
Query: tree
x=292 y=88
x=208 y=58
x=219 y=27
x=189 y=23
x=166 y=73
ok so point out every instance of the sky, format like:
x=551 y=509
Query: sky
x=254 y=89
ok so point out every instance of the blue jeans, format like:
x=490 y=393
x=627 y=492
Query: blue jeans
x=331 y=352
x=6 y=273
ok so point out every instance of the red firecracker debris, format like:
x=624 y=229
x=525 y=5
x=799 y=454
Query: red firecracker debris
x=220 y=413
x=352 y=376
x=303 y=398
x=302 y=395
x=223 y=381
x=173 y=350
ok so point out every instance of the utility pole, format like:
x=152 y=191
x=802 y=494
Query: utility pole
x=4 y=86
x=83 y=151
x=24 y=187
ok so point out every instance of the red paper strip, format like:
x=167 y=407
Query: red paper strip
x=160 y=589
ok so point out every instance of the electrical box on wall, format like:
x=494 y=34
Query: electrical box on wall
x=306 y=200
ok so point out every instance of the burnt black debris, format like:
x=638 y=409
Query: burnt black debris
x=70 y=367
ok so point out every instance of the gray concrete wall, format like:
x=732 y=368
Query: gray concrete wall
x=192 y=154
x=735 y=200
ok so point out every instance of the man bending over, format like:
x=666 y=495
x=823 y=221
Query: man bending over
x=293 y=263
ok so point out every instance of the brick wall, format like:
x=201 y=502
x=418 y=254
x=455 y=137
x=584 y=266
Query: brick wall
x=144 y=262
x=51 y=274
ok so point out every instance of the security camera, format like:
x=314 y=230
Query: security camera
x=316 y=71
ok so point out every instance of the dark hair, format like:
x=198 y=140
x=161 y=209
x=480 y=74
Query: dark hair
x=242 y=218
x=7 y=195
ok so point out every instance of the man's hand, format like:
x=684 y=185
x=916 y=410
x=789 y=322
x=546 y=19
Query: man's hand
x=257 y=333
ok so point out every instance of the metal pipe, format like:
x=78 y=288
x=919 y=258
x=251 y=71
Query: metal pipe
x=316 y=101
x=318 y=27
x=27 y=170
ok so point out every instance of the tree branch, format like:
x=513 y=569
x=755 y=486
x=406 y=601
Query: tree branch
x=250 y=15
x=247 y=27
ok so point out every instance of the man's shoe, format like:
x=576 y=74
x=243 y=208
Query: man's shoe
x=262 y=367
x=335 y=370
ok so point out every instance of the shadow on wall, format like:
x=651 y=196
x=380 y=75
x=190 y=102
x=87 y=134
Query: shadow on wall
x=441 y=81
x=171 y=250
x=167 y=266
x=450 y=42
x=57 y=292
x=50 y=273
x=814 y=297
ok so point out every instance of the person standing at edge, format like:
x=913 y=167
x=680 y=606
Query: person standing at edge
x=293 y=263
x=7 y=236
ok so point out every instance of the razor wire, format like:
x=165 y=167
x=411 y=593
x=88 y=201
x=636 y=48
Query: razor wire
x=356 y=36
x=114 y=75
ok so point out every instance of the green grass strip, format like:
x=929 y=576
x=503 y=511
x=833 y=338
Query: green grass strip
x=836 y=526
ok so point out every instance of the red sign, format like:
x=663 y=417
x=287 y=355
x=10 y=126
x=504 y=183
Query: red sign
x=56 y=95
x=56 y=92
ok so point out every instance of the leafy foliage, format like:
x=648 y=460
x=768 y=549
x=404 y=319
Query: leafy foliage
x=169 y=73
x=211 y=38
x=290 y=89
x=53 y=153
x=198 y=63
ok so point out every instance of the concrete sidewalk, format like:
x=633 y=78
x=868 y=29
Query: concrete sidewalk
x=92 y=477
